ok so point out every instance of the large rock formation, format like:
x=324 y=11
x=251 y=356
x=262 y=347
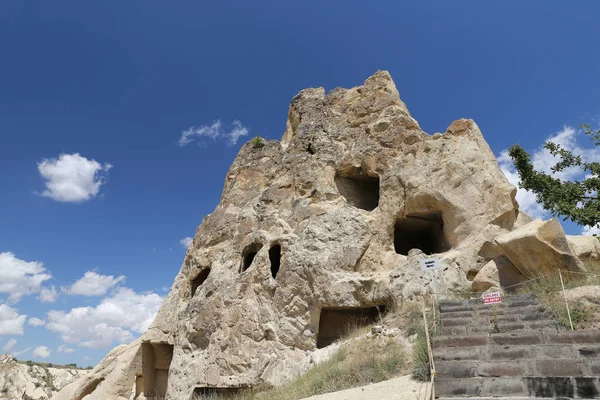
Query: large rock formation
x=36 y=382
x=325 y=226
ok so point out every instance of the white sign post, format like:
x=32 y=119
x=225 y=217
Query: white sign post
x=431 y=265
x=491 y=298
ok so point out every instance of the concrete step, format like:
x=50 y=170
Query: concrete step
x=488 y=327
x=532 y=386
x=515 y=368
x=528 y=313
x=526 y=337
x=520 y=352
x=475 y=304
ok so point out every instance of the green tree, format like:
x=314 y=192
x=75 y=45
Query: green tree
x=573 y=200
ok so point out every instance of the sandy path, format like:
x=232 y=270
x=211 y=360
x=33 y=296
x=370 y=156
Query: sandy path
x=402 y=388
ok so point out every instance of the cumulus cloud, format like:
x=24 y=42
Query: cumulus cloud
x=64 y=349
x=11 y=322
x=19 y=352
x=591 y=230
x=542 y=160
x=48 y=295
x=94 y=284
x=41 y=352
x=72 y=178
x=215 y=131
x=115 y=319
x=36 y=322
x=20 y=277
x=186 y=242
x=9 y=345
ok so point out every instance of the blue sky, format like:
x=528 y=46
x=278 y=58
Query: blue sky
x=97 y=190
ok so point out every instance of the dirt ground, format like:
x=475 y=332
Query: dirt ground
x=402 y=388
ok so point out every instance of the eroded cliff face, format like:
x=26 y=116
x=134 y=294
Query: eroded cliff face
x=321 y=228
x=20 y=381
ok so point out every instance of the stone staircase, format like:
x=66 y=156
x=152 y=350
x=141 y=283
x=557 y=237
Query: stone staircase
x=524 y=354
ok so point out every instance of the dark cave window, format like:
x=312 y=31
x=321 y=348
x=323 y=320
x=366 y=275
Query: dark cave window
x=249 y=254
x=275 y=258
x=359 y=189
x=335 y=323
x=199 y=280
x=420 y=231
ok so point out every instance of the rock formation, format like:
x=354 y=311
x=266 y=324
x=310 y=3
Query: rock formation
x=324 y=227
x=20 y=381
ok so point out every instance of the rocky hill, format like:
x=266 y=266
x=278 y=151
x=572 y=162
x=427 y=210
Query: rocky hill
x=326 y=228
x=21 y=381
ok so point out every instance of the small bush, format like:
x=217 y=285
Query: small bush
x=257 y=142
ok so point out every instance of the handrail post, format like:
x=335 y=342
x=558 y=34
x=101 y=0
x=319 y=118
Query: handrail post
x=565 y=297
x=429 y=351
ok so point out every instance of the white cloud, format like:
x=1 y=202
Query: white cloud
x=214 y=132
x=41 y=352
x=48 y=295
x=19 y=352
x=20 y=277
x=9 y=345
x=186 y=242
x=116 y=318
x=591 y=230
x=72 y=178
x=542 y=160
x=36 y=322
x=64 y=349
x=11 y=323
x=94 y=284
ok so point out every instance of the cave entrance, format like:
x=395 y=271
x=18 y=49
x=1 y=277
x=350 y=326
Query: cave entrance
x=203 y=392
x=156 y=360
x=275 y=258
x=358 y=188
x=420 y=231
x=335 y=323
x=248 y=255
x=199 y=280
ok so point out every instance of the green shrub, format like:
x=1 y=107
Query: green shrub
x=257 y=142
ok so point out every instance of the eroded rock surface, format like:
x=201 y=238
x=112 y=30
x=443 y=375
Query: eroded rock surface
x=20 y=381
x=332 y=218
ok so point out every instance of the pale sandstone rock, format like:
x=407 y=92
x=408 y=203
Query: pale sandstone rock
x=341 y=206
x=586 y=248
x=538 y=248
x=18 y=380
x=487 y=277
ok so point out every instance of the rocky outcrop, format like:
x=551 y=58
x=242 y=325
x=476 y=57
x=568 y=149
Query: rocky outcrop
x=321 y=228
x=587 y=249
x=19 y=381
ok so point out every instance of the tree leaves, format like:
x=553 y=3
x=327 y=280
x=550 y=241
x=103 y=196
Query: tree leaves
x=573 y=200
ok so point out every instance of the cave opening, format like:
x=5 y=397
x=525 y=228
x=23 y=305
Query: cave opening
x=248 y=255
x=423 y=231
x=156 y=361
x=359 y=189
x=275 y=258
x=199 y=280
x=335 y=323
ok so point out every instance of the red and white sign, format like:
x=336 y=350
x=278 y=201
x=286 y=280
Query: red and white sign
x=490 y=298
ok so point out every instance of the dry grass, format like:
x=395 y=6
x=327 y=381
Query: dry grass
x=357 y=363
x=548 y=289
